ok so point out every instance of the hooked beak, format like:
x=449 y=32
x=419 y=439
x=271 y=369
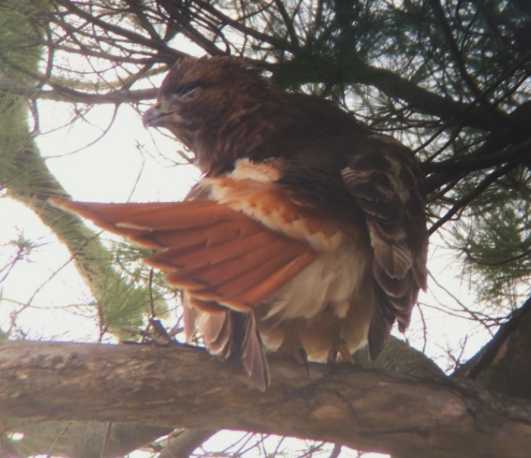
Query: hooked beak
x=153 y=118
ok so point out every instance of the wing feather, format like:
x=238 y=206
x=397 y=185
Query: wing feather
x=227 y=262
x=387 y=185
x=216 y=252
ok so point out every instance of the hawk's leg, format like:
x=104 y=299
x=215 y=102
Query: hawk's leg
x=339 y=351
x=292 y=348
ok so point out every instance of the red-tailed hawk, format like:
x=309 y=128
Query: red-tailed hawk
x=307 y=232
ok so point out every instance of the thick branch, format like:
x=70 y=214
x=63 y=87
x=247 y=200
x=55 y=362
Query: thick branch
x=392 y=84
x=505 y=361
x=183 y=386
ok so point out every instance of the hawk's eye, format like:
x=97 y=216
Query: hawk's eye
x=189 y=91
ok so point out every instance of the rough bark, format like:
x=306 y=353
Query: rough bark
x=182 y=386
x=504 y=364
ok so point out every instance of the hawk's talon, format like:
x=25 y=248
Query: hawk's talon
x=339 y=350
x=292 y=349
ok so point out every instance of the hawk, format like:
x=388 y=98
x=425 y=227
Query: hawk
x=307 y=233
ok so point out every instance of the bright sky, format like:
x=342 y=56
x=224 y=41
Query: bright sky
x=113 y=170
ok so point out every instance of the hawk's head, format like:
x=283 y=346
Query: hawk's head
x=203 y=103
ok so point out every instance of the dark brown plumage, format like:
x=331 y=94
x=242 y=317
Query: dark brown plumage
x=308 y=229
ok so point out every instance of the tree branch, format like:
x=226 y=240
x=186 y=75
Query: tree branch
x=241 y=27
x=504 y=362
x=113 y=97
x=182 y=443
x=467 y=198
x=166 y=53
x=183 y=386
x=473 y=162
x=390 y=83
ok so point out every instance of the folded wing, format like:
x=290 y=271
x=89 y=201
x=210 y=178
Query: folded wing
x=386 y=183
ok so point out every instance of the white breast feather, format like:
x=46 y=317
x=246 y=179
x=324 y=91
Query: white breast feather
x=245 y=169
x=331 y=279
